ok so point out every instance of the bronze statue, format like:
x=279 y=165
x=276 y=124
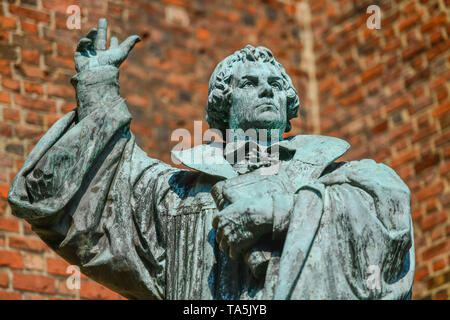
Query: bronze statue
x=311 y=228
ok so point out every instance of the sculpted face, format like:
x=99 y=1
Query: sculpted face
x=258 y=98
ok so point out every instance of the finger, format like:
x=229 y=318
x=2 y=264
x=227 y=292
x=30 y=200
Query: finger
x=113 y=43
x=216 y=192
x=100 y=39
x=92 y=34
x=231 y=194
x=230 y=210
x=83 y=44
x=129 y=43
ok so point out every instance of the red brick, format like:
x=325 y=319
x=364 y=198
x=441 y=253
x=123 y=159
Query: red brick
x=5 y=130
x=9 y=224
x=60 y=90
x=438 y=49
x=413 y=49
x=31 y=71
x=57 y=5
x=34 y=87
x=27 y=132
x=35 y=104
x=29 y=244
x=61 y=62
x=431 y=220
x=433 y=22
x=33 y=261
x=29 y=27
x=441 y=110
x=138 y=101
x=5 y=97
x=439 y=265
x=403 y=158
x=95 y=291
x=203 y=34
x=5 y=68
x=12 y=259
x=381 y=127
x=372 y=73
x=29 y=13
x=4 y=279
x=57 y=266
x=436 y=281
x=180 y=3
x=64 y=290
x=7 y=23
x=51 y=119
x=11 y=114
x=426 y=162
x=430 y=191
x=10 y=295
x=34 y=296
x=398 y=103
x=424 y=133
x=34 y=118
x=420 y=273
x=444 y=168
x=400 y=131
x=392 y=45
x=408 y=22
x=11 y=84
x=34 y=283
x=352 y=98
x=30 y=56
x=436 y=250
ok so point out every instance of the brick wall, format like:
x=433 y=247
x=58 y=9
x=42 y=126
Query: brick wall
x=385 y=91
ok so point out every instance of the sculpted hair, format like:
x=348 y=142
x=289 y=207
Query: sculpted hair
x=220 y=90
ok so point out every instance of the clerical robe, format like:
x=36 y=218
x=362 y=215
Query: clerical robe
x=144 y=228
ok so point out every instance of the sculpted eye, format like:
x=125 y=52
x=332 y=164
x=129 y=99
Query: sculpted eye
x=276 y=85
x=248 y=84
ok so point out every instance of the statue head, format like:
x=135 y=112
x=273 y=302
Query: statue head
x=251 y=90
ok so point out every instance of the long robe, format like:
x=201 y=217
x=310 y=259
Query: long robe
x=143 y=228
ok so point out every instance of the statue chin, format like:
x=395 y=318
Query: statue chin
x=267 y=121
x=267 y=116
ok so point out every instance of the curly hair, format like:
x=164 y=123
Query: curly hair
x=220 y=90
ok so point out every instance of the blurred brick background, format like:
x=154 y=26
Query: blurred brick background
x=385 y=91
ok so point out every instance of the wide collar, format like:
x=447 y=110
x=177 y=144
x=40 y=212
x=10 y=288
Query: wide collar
x=315 y=150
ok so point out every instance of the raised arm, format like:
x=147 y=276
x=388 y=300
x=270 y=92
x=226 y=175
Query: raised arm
x=89 y=191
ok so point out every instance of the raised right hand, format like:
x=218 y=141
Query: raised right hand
x=91 y=51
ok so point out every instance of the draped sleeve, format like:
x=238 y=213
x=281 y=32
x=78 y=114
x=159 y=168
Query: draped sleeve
x=350 y=237
x=95 y=198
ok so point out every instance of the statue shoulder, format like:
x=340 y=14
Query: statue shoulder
x=316 y=149
x=368 y=171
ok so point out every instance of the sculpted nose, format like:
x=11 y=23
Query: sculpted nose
x=265 y=90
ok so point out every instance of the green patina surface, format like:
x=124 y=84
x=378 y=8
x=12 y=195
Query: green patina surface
x=300 y=227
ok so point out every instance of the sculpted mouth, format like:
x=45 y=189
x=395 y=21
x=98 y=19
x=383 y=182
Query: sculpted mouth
x=266 y=106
